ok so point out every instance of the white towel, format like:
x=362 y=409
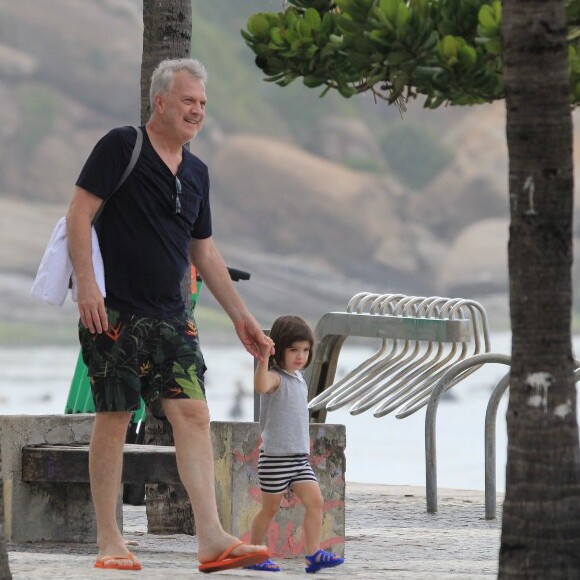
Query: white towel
x=54 y=273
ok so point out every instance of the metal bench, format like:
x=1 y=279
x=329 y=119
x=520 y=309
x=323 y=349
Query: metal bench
x=428 y=345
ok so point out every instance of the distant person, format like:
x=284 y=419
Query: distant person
x=141 y=340
x=236 y=411
x=284 y=454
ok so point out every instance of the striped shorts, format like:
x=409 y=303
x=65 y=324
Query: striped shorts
x=278 y=472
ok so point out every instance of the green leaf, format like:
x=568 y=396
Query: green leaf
x=494 y=46
x=312 y=17
x=448 y=47
x=573 y=33
x=304 y=29
x=575 y=65
x=290 y=18
x=378 y=36
x=390 y=8
x=295 y=47
x=312 y=82
x=347 y=25
x=497 y=11
x=249 y=38
x=402 y=22
x=276 y=36
x=486 y=17
x=395 y=58
x=259 y=26
x=467 y=56
x=346 y=91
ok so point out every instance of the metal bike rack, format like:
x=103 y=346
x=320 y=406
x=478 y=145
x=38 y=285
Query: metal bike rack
x=429 y=344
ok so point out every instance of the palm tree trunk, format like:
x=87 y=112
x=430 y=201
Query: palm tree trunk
x=166 y=34
x=4 y=564
x=541 y=514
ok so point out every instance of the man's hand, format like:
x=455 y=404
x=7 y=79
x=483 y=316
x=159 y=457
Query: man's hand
x=253 y=337
x=92 y=308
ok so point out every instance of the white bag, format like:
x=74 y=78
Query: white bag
x=55 y=271
x=54 y=274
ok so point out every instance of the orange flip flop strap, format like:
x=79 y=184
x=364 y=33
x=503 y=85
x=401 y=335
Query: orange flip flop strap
x=229 y=550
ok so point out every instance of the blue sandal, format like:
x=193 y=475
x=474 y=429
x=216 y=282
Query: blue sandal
x=322 y=559
x=265 y=566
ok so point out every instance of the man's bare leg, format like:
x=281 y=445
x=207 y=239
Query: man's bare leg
x=195 y=462
x=105 y=470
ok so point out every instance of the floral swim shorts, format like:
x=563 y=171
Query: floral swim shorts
x=138 y=357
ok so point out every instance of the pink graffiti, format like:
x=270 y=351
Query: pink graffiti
x=291 y=541
x=294 y=540
x=251 y=457
x=315 y=459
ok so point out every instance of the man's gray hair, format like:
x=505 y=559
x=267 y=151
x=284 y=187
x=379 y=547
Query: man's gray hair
x=163 y=75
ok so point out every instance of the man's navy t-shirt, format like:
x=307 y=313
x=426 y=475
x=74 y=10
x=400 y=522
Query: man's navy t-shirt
x=143 y=241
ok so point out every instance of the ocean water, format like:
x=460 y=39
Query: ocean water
x=36 y=380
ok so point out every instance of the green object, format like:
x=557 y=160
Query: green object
x=196 y=289
x=80 y=398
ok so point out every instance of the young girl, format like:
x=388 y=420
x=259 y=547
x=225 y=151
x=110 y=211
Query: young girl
x=283 y=462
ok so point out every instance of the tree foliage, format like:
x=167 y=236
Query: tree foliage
x=449 y=51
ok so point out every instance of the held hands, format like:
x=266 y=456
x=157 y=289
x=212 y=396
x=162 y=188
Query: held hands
x=267 y=350
x=253 y=338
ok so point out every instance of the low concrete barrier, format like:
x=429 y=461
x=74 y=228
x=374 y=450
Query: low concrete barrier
x=63 y=512
x=37 y=512
x=236 y=451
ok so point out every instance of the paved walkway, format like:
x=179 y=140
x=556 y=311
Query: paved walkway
x=389 y=534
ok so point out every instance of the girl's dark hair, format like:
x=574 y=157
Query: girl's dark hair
x=285 y=331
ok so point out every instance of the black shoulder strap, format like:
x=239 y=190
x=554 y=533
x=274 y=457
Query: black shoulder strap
x=134 y=156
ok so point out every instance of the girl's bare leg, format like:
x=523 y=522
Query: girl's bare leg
x=310 y=496
x=263 y=519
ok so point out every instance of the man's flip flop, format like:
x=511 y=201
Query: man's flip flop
x=108 y=562
x=265 y=566
x=227 y=562
x=322 y=559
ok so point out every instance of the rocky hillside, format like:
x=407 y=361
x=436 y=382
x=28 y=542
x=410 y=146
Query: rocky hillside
x=318 y=198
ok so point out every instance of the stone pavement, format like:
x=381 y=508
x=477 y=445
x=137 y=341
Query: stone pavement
x=389 y=534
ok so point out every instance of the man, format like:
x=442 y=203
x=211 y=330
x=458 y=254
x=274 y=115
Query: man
x=139 y=340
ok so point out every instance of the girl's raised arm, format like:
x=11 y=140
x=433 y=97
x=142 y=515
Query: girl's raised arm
x=265 y=381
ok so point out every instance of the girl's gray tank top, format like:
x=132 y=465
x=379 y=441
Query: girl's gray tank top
x=284 y=417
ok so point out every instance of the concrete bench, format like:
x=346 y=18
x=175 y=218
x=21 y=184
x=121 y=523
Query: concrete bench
x=47 y=494
x=51 y=463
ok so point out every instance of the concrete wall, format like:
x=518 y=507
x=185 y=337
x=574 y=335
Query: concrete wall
x=64 y=512
x=44 y=512
x=236 y=451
